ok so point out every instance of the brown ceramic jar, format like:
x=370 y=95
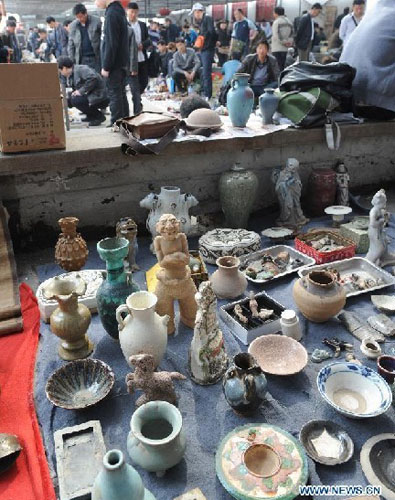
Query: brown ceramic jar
x=228 y=282
x=321 y=190
x=71 y=250
x=319 y=296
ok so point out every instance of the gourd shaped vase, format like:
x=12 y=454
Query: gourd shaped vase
x=237 y=190
x=71 y=250
x=227 y=281
x=169 y=201
x=119 y=480
x=240 y=100
x=143 y=330
x=70 y=321
x=117 y=285
x=244 y=384
x=319 y=296
x=268 y=103
x=156 y=441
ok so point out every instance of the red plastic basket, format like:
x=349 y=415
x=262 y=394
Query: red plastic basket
x=302 y=244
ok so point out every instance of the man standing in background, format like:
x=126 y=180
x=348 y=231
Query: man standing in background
x=351 y=21
x=282 y=37
x=115 y=57
x=305 y=35
x=84 y=38
x=58 y=38
x=10 y=40
x=143 y=43
x=243 y=30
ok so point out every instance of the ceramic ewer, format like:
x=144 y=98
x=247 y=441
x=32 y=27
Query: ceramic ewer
x=240 y=100
x=156 y=441
x=70 y=321
x=119 y=480
x=118 y=284
x=244 y=384
x=142 y=330
x=319 y=296
x=260 y=461
x=354 y=390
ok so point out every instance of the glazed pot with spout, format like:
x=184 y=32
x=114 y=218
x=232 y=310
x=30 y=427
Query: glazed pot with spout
x=319 y=296
x=244 y=384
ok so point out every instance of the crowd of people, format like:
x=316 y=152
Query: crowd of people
x=100 y=61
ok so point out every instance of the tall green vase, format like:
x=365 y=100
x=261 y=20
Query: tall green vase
x=117 y=286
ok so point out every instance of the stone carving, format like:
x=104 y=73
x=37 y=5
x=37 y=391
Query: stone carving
x=174 y=277
x=157 y=386
x=342 y=183
x=207 y=356
x=288 y=187
x=127 y=228
x=378 y=245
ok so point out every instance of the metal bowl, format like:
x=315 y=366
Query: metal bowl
x=80 y=384
x=326 y=442
x=10 y=449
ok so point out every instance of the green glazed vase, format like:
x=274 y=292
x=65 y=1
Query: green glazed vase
x=117 y=285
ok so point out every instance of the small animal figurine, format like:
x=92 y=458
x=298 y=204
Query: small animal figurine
x=157 y=386
x=127 y=228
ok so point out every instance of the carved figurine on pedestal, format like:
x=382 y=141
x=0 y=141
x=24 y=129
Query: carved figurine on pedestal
x=378 y=245
x=127 y=228
x=342 y=182
x=207 y=356
x=288 y=187
x=157 y=386
x=174 y=279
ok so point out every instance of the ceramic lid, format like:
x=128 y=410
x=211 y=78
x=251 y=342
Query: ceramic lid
x=204 y=118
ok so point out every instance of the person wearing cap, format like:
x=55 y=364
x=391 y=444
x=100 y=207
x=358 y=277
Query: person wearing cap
x=351 y=21
x=10 y=41
x=305 y=34
x=223 y=42
x=207 y=32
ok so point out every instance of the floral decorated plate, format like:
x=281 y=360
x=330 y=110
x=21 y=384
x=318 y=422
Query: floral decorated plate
x=255 y=462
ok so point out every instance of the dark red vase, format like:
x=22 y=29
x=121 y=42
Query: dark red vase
x=321 y=190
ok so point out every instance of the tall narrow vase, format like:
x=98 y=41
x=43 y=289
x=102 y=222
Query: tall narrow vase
x=268 y=103
x=240 y=100
x=237 y=191
x=119 y=480
x=117 y=285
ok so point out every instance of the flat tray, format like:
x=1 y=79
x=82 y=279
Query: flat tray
x=274 y=251
x=356 y=265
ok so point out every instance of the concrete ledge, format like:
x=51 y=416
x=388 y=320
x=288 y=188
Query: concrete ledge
x=94 y=181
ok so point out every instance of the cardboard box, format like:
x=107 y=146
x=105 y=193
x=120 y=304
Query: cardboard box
x=31 y=113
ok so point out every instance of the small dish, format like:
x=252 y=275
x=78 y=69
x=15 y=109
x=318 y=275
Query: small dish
x=279 y=355
x=385 y=303
x=80 y=384
x=377 y=461
x=277 y=233
x=353 y=390
x=326 y=442
x=338 y=212
x=10 y=449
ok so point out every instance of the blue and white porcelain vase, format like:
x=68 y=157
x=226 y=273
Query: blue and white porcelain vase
x=268 y=103
x=240 y=100
x=119 y=480
x=244 y=384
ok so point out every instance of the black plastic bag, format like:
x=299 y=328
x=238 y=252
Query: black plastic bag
x=334 y=78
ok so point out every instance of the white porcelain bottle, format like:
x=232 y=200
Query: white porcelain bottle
x=290 y=325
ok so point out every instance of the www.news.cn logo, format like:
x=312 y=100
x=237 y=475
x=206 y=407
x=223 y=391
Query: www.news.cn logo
x=339 y=490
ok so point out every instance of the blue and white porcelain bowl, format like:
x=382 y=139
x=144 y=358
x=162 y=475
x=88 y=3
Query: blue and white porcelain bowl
x=353 y=390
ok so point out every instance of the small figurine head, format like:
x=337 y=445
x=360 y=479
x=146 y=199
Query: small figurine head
x=126 y=226
x=168 y=226
x=292 y=163
x=143 y=362
x=340 y=168
x=379 y=199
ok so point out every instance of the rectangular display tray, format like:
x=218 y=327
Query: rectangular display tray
x=274 y=251
x=355 y=265
x=257 y=326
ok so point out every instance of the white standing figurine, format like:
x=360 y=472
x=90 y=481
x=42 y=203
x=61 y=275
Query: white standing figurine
x=378 y=245
x=342 y=182
x=207 y=356
x=288 y=187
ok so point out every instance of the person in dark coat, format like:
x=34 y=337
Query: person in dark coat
x=85 y=38
x=89 y=90
x=172 y=31
x=207 y=31
x=3 y=53
x=305 y=34
x=115 y=57
x=339 y=18
x=165 y=57
x=58 y=38
x=262 y=68
x=10 y=41
x=143 y=43
x=223 y=42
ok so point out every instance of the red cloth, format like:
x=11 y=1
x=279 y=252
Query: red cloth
x=29 y=478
